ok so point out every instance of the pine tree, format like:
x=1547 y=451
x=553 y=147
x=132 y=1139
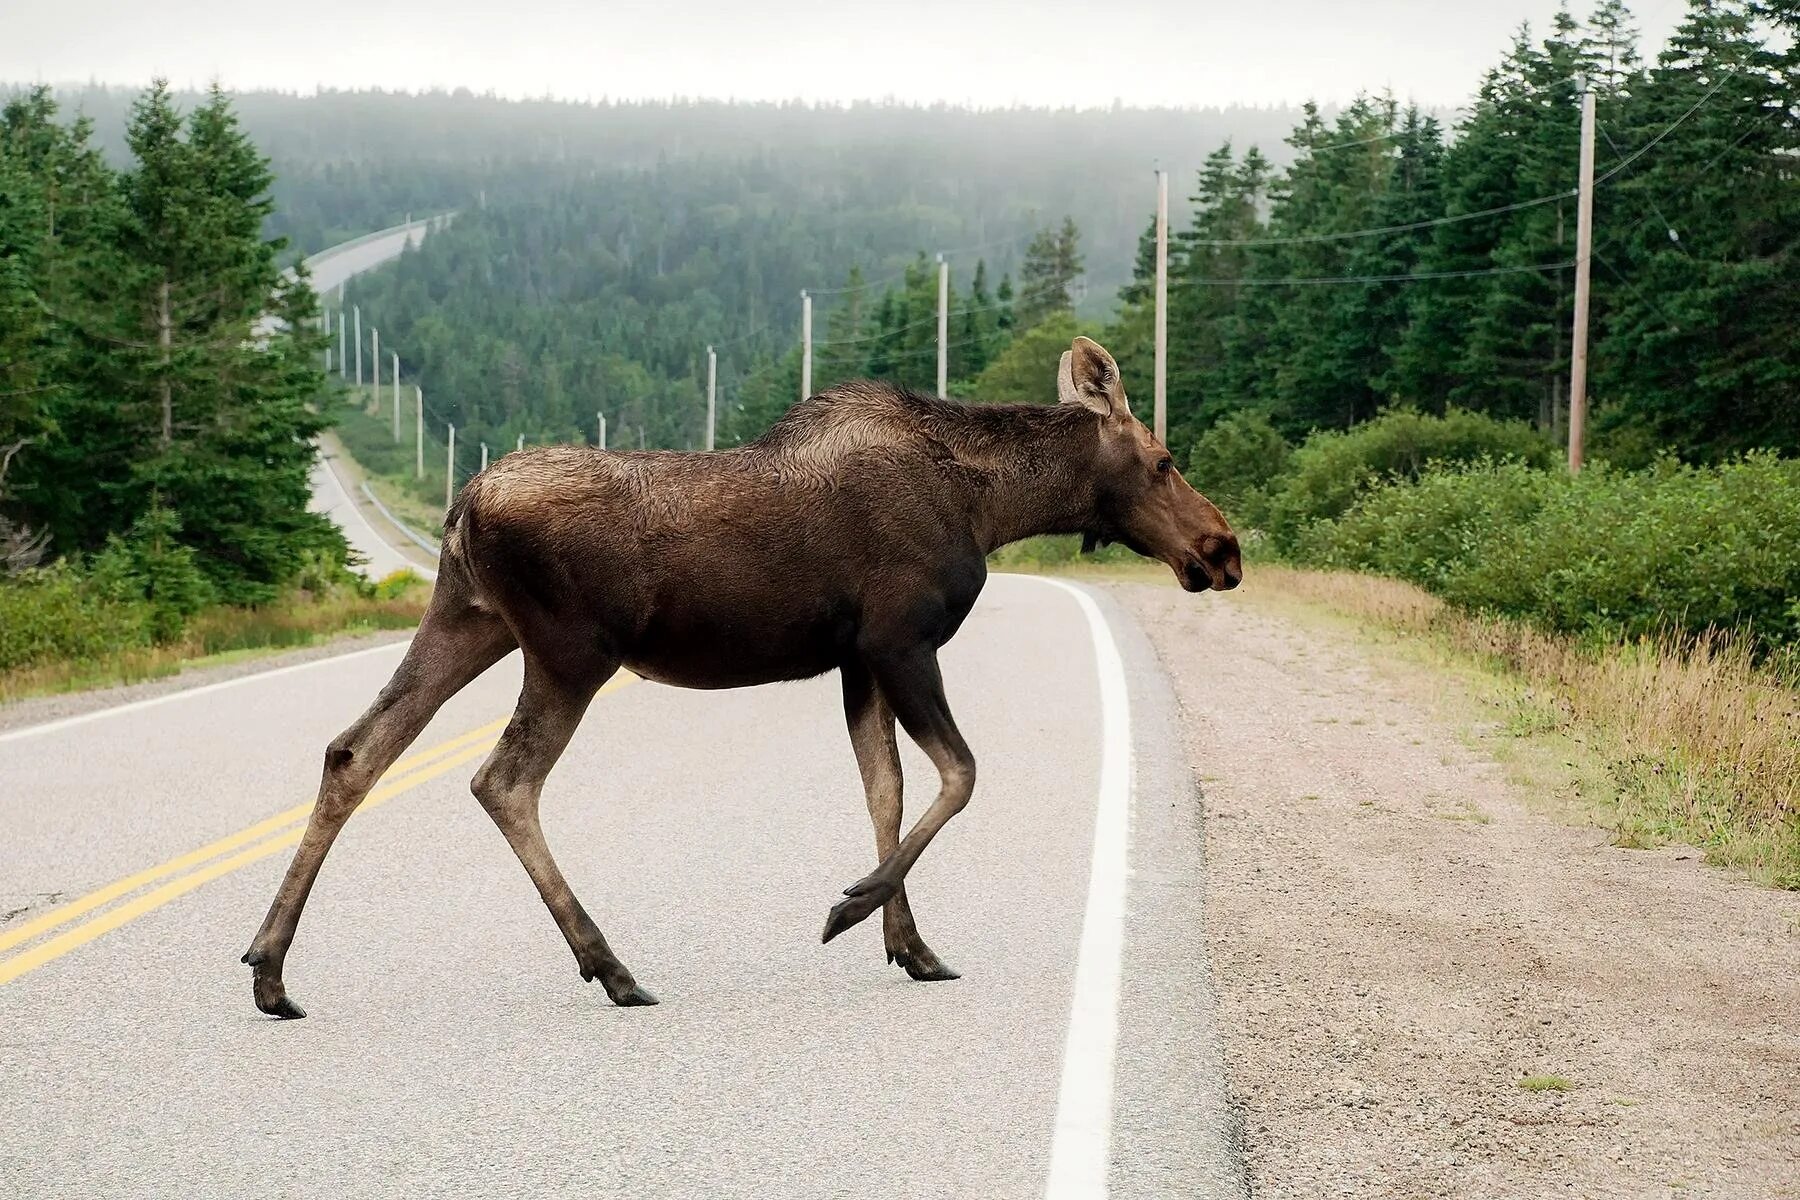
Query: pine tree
x=1047 y=278
x=1698 y=349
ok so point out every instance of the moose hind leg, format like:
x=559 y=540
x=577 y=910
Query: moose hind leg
x=871 y=724
x=509 y=785
x=452 y=647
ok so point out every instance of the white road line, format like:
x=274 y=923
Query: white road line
x=1080 y=1148
x=168 y=697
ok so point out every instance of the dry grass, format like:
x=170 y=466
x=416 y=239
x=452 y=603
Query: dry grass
x=1702 y=742
x=223 y=634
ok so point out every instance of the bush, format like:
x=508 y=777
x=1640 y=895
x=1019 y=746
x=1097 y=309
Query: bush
x=1236 y=459
x=1605 y=553
x=1332 y=469
x=56 y=613
x=150 y=565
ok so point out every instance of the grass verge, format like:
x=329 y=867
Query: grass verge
x=1673 y=740
x=227 y=634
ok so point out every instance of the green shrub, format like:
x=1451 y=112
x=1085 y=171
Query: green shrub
x=56 y=613
x=150 y=565
x=1332 y=469
x=1236 y=459
x=1606 y=553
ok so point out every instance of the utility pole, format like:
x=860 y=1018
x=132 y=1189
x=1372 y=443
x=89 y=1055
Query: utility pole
x=521 y=444
x=1584 y=252
x=375 y=374
x=395 y=360
x=343 y=347
x=484 y=456
x=358 y=310
x=450 y=472
x=712 y=393
x=418 y=432
x=325 y=328
x=1162 y=307
x=601 y=418
x=943 y=329
x=805 y=345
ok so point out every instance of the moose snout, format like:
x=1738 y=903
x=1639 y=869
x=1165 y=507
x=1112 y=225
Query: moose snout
x=1222 y=560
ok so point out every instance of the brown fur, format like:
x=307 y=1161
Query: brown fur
x=852 y=536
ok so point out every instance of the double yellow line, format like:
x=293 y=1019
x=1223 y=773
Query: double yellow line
x=188 y=871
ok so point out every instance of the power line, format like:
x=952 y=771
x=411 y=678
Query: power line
x=1409 y=278
x=888 y=333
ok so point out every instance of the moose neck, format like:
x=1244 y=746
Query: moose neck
x=1038 y=463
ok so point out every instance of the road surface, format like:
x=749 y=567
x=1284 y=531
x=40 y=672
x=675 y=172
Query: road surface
x=333 y=266
x=452 y=1048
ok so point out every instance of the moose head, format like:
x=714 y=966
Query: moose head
x=1140 y=499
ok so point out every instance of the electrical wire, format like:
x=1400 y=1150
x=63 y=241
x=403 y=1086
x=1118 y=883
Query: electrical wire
x=1486 y=212
x=888 y=333
x=1408 y=278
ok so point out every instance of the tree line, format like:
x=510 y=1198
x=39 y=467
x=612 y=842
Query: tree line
x=1394 y=262
x=158 y=383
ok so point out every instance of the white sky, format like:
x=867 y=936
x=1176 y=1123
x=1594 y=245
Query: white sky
x=1038 y=52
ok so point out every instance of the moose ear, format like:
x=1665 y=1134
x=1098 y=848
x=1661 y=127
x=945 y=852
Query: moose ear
x=1088 y=376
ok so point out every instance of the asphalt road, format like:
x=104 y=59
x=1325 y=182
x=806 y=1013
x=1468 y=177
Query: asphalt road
x=452 y=1048
x=331 y=495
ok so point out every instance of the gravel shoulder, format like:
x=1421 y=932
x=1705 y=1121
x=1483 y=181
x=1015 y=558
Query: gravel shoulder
x=1399 y=938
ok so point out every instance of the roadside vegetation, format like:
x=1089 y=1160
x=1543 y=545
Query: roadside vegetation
x=160 y=396
x=1651 y=618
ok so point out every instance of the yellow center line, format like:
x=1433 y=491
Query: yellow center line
x=405 y=774
x=87 y=931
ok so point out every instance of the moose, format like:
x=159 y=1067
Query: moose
x=853 y=536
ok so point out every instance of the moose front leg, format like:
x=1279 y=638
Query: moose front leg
x=871 y=724
x=913 y=688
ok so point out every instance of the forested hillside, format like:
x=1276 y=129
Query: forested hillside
x=1373 y=257
x=872 y=181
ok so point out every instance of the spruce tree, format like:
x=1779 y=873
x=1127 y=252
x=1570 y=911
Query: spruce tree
x=1047 y=277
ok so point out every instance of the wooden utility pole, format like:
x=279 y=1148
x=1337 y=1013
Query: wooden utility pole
x=1162 y=307
x=805 y=345
x=712 y=394
x=1584 y=253
x=450 y=472
x=418 y=432
x=943 y=329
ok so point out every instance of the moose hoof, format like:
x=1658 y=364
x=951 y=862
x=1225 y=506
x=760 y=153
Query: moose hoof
x=634 y=997
x=860 y=899
x=272 y=999
x=926 y=967
x=270 y=994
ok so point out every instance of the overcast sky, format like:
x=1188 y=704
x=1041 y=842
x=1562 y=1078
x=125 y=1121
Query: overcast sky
x=1039 y=52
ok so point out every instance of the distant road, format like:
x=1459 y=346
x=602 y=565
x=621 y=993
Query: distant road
x=332 y=267
x=363 y=527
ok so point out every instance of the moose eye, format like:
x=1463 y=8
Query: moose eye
x=1164 y=465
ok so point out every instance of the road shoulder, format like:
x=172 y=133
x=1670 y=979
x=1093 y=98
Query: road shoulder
x=39 y=710
x=1399 y=943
